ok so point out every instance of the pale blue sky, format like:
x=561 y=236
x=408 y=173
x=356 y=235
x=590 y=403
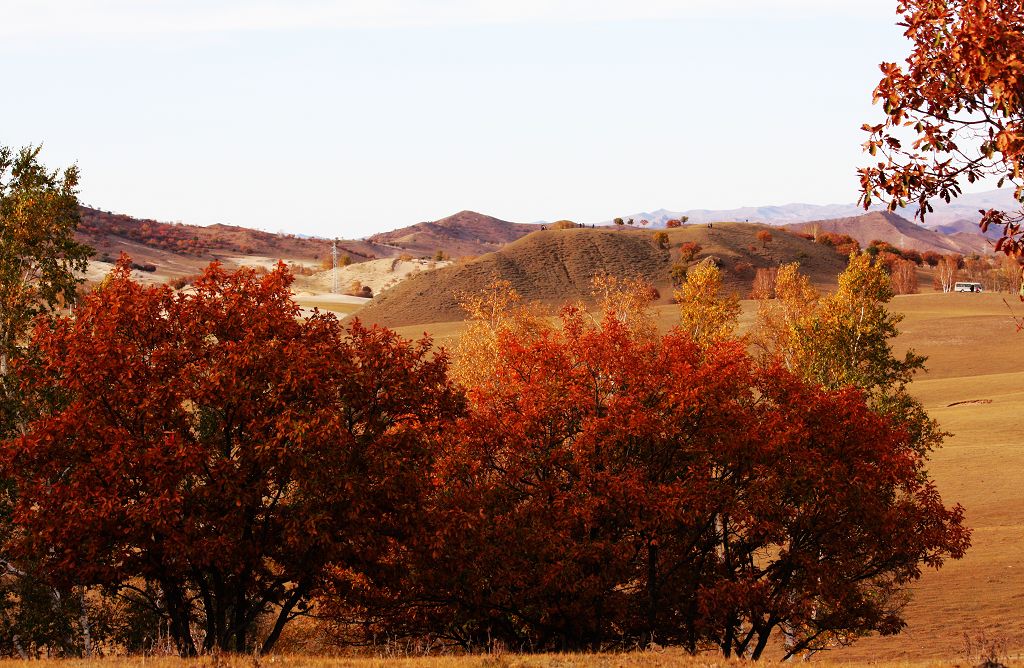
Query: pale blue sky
x=345 y=118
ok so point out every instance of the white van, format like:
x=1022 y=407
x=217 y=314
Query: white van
x=968 y=287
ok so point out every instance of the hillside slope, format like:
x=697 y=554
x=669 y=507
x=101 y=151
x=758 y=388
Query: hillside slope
x=149 y=240
x=466 y=233
x=556 y=266
x=899 y=232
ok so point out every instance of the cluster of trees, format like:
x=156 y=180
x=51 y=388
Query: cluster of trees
x=210 y=464
x=1001 y=273
x=165 y=236
x=844 y=244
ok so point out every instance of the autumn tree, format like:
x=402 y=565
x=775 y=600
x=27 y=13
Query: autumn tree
x=661 y=239
x=613 y=490
x=931 y=258
x=954 y=110
x=783 y=318
x=220 y=450
x=1007 y=275
x=38 y=252
x=39 y=258
x=947 y=272
x=765 y=237
x=627 y=301
x=903 y=274
x=705 y=313
x=689 y=250
x=824 y=569
x=573 y=515
x=844 y=338
x=493 y=313
x=842 y=342
x=763 y=286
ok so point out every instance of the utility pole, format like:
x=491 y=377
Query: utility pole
x=334 y=267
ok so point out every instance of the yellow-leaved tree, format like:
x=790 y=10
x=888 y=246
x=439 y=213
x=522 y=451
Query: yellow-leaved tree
x=707 y=314
x=781 y=320
x=496 y=311
x=626 y=300
x=844 y=339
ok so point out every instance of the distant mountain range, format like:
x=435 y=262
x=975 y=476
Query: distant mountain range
x=179 y=250
x=957 y=216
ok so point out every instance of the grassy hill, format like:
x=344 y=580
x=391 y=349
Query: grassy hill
x=899 y=232
x=466 y=233
x=179 y=249
x=556 y=266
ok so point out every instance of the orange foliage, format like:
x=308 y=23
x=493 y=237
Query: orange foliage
x=954 y=111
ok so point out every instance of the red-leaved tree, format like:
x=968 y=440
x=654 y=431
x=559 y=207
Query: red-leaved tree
x=211 y=454
x=611 y=487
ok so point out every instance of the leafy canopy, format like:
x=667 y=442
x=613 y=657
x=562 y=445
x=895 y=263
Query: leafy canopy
x=954 y=110
x=216 y=446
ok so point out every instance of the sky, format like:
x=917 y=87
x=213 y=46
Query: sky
x=343 y=118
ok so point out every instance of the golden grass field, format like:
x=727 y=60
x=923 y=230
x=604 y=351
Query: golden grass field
x=975 y=388
x=648 y=659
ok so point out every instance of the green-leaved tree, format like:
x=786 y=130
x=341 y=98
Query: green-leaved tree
x=38 y=251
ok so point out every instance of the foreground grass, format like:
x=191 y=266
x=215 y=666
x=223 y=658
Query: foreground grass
x=666 y=659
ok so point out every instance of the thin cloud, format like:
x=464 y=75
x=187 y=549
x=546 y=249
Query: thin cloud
x=39 y=18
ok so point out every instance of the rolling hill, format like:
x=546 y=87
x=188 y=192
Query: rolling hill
x=152 y=241
x=556 y=266
x=466 y=233
x=899 y=232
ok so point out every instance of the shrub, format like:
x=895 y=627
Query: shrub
x=179 y=282
x=677 y=274
x=688 y=250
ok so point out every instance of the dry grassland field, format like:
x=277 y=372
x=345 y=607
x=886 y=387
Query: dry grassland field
x=652 y=659
x=975 y=388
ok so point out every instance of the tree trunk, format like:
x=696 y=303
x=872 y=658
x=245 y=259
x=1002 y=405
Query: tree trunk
x=86 y=635
x=282 y=619
x=652 y=591
x=180 y=627
x=762 y=641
